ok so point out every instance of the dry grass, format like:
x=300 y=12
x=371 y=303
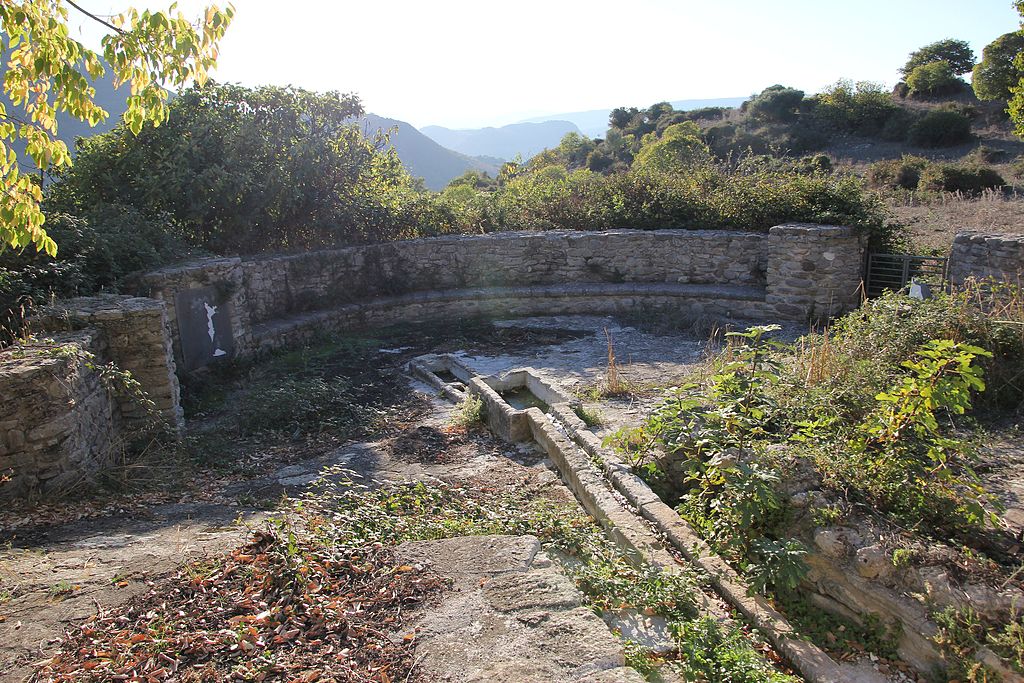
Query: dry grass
x=933 y=220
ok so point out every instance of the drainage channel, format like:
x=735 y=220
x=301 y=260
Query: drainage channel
x=523 y=406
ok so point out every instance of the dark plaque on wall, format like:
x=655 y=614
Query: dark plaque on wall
x=204 y=323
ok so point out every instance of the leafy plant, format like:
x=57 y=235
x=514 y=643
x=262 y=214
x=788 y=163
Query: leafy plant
x=908 y=462
x=710 y=652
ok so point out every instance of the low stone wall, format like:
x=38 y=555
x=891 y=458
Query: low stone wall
x=63 y=417
x=58 y=423
x=982 y=256
x=237 y=307
x=137 y=334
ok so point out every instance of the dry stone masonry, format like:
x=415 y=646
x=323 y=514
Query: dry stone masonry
x=191 y=315
x=814 y=271
x=241 y=307
x=58 y=423
x=61 y=420
x=987 y=256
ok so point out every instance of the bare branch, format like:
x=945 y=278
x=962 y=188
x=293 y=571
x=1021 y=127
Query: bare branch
x=95 y=18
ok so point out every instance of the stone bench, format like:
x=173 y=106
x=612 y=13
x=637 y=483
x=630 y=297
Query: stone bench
x=686 y=300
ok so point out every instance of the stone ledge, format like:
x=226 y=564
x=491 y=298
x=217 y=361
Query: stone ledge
x=812 y=230
x=619 y=292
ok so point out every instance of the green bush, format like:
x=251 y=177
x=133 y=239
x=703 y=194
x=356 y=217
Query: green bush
x=95 y=252
x=966 y=179
x=755 y=194
x=903 y=173
x=940 y=128
x=775 y=103
x=864 y=108
x=932 y=79
x=707 y=113
x=897 y=126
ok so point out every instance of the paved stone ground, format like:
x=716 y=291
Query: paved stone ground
x=511 y=617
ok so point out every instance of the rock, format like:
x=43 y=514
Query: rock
x=649 y=631
x=831 y=541
x=873 y=562
x=938 y=588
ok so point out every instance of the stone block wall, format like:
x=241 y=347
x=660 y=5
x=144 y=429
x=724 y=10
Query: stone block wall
x=232 y=307
x=814 y=271
x=217 y=283
x=280 y=286
x=983 y=256
x=137 y=335
x=58 y=422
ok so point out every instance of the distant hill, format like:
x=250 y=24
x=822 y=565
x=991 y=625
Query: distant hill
x=423 y=157
x=594 y=123
x=522 y=139
x=69 y=128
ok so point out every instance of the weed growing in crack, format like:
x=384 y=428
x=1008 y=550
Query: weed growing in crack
x=470 y=412
x=590 y=417
x=962 y=633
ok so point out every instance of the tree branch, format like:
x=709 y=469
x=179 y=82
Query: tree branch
x=95 y=18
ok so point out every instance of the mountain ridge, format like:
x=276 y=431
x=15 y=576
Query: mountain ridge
x=505 y=142
x=425 y=158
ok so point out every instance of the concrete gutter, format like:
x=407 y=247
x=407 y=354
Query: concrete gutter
x=574 y=449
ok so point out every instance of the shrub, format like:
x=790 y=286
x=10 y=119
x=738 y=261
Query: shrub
x=986 y=155
x=707 y=113
x=96 y=251
x=966 y=179
x=940 y=128
x=934 y=78
x=897 y=126
x=863 y=108
x=776 y=103
x=903 y=173
x=752 y=195
x=470 y=412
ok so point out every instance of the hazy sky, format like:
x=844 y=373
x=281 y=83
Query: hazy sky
x=475 y=63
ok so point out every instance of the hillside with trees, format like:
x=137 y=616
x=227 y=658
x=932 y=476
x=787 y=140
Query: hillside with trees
x=237 y=170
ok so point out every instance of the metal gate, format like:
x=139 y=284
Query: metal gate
x=895 y=271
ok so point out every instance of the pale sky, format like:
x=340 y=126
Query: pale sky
x=468 y=63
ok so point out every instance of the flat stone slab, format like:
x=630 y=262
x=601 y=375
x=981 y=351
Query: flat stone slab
x=512 y=617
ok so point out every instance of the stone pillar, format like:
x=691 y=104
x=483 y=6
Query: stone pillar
x=814 y=271
x=207 y=305
x=136 y=332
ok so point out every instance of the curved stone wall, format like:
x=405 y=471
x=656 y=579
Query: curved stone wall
x=231 y=307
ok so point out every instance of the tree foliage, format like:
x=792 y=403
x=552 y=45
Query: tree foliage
x=775 y=103
x=1016 y=104
x=245 y=170
x=676 y=150
x=957 y=53
x=997 y=72
x=863 y=107
x=933 y=78
x=49 y=72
